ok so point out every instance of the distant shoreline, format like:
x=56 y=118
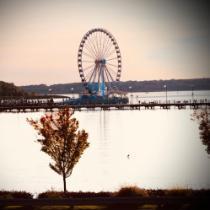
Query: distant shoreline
x=127 y=86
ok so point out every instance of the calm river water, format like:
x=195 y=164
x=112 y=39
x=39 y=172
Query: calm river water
x=163 y=146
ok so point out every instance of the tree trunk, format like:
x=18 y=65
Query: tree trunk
x=64 y=183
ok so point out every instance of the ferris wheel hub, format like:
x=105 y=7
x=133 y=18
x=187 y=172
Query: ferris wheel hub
x=100 y=61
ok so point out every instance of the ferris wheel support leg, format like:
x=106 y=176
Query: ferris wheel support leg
x=103 y=89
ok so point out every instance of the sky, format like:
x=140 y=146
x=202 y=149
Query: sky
x=158 y=39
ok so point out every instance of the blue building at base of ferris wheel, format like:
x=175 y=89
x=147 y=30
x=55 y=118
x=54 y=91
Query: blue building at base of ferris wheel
x=95 y=88
x=95 y=99
x=97 y=94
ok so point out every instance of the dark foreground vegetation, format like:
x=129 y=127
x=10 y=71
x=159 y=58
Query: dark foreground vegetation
x=127 y=198
x=9 y=91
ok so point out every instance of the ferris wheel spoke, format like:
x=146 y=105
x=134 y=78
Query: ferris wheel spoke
x=87 y=75
x=88 y=55
x=91 y=74
x=108 y=83
x=113 y=62
x=92 y=46
x=88 y=67
x=101 y=42
x=99 y=75
x=110 y=48
x=95 y=73
x=112 y=71
x=110 y=53
x=107 y=70
x=105 y=40
x=90 y=50
x=92 y=77
x=88 y=61
x=96 y=44
x=107 y=47
x=87 y=72
x=107 y=76
x=112 y=65
x=115 y=58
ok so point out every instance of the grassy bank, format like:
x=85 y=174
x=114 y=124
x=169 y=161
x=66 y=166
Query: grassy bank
x=127 y=198
x=122 y=192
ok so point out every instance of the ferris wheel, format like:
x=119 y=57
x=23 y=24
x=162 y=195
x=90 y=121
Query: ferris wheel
x=99 y=61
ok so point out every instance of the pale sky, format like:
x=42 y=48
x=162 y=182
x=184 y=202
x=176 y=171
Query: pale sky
x=158 y=39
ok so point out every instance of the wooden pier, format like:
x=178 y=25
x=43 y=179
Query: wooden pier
x=50 y=107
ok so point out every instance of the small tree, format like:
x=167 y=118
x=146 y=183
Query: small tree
x=61 y=141
x=203 y=117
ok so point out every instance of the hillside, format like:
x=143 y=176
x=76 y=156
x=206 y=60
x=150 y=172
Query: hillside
x=9 y=89
x=128 y=86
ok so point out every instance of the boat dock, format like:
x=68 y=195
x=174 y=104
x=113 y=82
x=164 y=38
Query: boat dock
x=50 y=107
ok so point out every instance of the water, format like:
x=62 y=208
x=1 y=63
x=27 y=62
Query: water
x=172 y=96
x=164 y=150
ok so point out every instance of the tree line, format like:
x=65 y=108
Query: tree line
x=9 y=89
x=127 y=86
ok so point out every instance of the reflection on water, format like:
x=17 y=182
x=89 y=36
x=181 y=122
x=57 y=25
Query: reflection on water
x=163 y=146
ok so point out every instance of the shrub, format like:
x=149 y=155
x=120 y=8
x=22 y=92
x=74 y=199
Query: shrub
x=15 y=194
x=201 y=192
x=156 y=193
x=178 y=192
x=90 y=194
x=131 y=191
x=54 y=194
